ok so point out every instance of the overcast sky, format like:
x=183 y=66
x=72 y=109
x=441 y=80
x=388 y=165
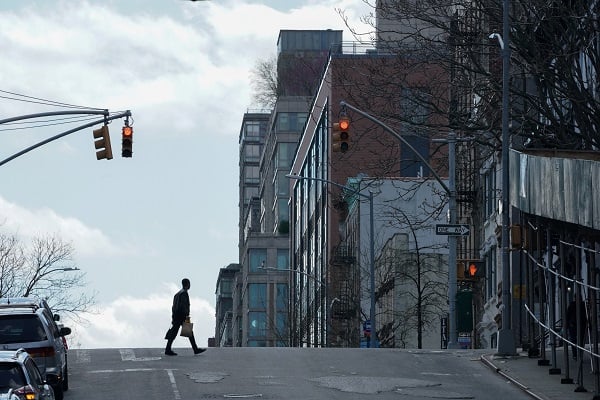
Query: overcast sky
x=139 y=225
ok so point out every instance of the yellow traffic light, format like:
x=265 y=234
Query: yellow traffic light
x=102 y=143
x=127 y=149
x=340 y=135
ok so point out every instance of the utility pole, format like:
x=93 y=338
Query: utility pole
x=506 y=339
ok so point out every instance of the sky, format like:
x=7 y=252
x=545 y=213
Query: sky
x=139 y=225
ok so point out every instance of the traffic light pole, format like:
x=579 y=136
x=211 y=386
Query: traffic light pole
x=106 y=118
x=450 y=189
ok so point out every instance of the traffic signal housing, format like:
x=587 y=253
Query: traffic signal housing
x=474 y=269
x=102 y=143
x=340 y=135
x=127 y=148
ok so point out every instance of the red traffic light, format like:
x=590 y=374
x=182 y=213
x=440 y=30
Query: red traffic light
x=127 y=148
x=340 y=135
x=344 y=123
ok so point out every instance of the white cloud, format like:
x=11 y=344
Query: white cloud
x=28 y=224
x=140 y=322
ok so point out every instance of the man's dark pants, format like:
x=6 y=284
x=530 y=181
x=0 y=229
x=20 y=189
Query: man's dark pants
x=176 y=323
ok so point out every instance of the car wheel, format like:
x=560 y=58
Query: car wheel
x=65 y=382
x=58 y=392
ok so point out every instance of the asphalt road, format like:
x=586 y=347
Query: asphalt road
x=284 y=373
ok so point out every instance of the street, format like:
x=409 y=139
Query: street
x=284 y=373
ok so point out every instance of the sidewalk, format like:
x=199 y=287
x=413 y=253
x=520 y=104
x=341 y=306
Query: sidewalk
x=545 y=382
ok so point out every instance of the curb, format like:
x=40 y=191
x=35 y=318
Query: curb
x=512 y=380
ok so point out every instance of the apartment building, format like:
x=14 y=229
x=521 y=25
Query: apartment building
x=268 y=141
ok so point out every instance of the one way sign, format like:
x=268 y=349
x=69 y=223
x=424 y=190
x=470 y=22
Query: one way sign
x=452 y=229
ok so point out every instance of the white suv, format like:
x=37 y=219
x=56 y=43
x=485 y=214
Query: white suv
x=32 y=327
x=20 y=378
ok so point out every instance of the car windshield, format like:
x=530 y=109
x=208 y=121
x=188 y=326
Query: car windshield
x=21 y=329
x=11 y=376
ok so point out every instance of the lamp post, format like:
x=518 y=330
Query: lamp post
x=372 y=317
x=506 y=340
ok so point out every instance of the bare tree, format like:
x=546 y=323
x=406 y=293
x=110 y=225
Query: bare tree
x=44 y=269
x=414 y=279
x=554 y=68
x=265 y=82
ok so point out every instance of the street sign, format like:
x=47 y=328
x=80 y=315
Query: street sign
x=452 y=229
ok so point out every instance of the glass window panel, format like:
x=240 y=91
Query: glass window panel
x=257 y=322
x=282 y=296
x=283 y=258
x=257 y=258
x=257 y=295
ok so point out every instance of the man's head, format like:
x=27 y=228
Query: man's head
x=185 y=282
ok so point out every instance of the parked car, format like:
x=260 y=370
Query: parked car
x=32 y=326
x=21 y=379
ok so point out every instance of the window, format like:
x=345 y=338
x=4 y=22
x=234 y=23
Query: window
x=283 y=259
x=226 y=287
x=285 y=155
x=34 y=373
x=11 y=375
x=491 y=278
x=283 y=185
x=252 y=130
x=257 y=259
x=257 y=343
x=257 y=322
x=251 y=174
x=291 y=122
x=282 y=327
x=283 y=211
x=252 y=152
x=489 y=192
x=282 y=296
x=249 y=193
x=257 y=295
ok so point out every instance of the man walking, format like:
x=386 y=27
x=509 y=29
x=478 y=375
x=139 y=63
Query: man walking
x=180 y=311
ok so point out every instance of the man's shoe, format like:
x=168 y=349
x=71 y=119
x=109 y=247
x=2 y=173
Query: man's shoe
x=170 y=353
x=198 y=351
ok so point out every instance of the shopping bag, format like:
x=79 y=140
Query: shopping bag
x=187 y=329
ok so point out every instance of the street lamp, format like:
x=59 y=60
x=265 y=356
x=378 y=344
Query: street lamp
x=373 y=340
x=506 y=340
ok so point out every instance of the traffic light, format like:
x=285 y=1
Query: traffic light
x=126 y=150
x=474 y=269
x=340 y=135
x=460 y=271
x=102 y=143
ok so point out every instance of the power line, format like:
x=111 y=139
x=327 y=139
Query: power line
x=41 y=124
x=38 y=100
